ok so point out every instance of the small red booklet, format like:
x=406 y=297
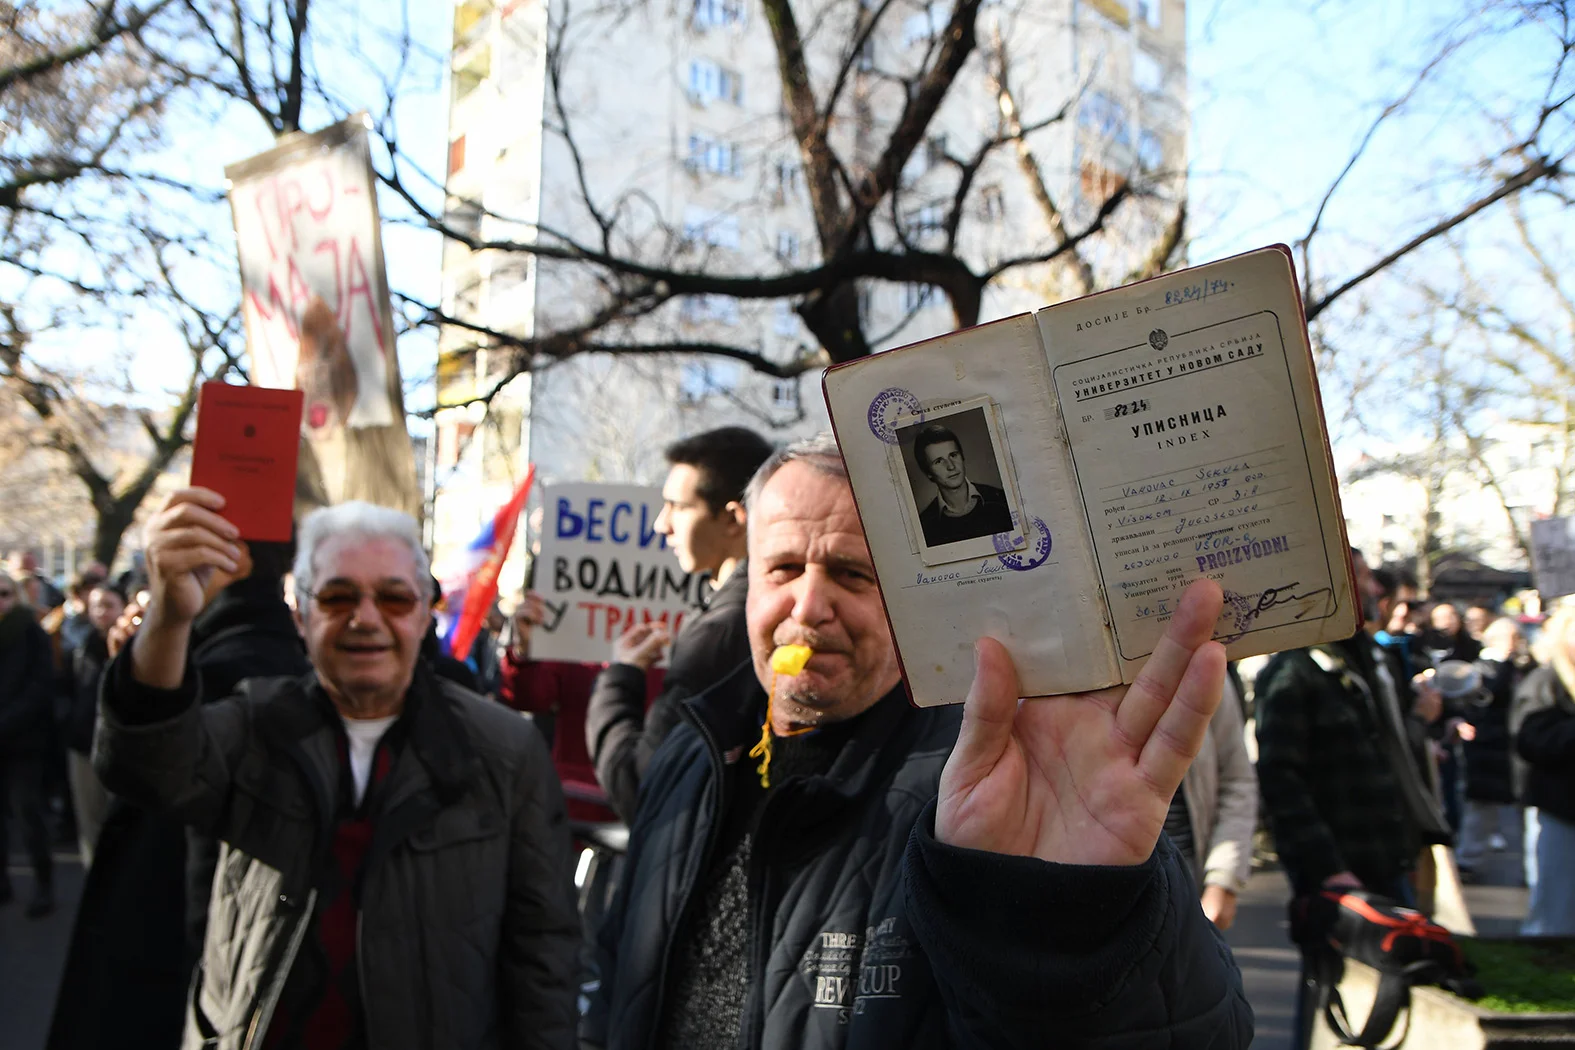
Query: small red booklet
x=248 y=438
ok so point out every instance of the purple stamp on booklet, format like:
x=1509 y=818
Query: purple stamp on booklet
x=890 y=405
x=1022 y=561
x=1239 y=611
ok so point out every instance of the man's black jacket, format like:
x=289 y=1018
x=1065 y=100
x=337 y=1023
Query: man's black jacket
x=866 y=932
x=465 y=924
x=1331 y=759
x=621 y=734
x=27 y=685
x=129 y=966
x=85 y=665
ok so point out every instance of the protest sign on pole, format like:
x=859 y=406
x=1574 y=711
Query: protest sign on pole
x=1553 y=556
x=317 y=311
x=603 y=567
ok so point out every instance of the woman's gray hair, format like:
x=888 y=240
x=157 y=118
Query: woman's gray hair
x=820 y=453
x=365 y=521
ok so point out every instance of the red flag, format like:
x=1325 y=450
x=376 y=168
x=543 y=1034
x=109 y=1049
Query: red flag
x=483 y=587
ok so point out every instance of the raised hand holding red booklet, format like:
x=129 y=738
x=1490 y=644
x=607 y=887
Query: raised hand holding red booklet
x=248 y=438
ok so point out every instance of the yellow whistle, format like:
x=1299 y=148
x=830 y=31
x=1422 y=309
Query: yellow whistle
x=790 y=659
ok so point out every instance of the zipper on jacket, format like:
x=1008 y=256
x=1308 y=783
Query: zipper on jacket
x=360 y=975
x=263 y=1015
x=719 y=773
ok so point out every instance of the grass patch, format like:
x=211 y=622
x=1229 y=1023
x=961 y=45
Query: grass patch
x=1524 y=976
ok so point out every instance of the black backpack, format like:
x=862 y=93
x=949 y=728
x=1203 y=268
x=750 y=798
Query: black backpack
x=1403 y=945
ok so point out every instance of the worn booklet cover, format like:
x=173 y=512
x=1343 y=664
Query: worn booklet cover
x=246 y=447
x=1054 y=480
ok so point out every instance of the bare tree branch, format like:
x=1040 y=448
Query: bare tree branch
x=1536 y=171
x=106 y=29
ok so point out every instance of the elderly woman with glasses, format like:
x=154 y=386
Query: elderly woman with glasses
x=27 y=681
x=396 y=862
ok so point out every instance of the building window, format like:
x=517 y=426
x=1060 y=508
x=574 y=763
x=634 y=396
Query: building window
x=718 y=14
x=712 y=155
x=1151 y=152
x=1106 y=117
x=992 y=204
x=864 y=61
x=710 y=82
x=787 y=246
x=935 y=149
x=456 y=155
x=924 y=158
x=467 y=300
x=1148 y=75
x=784 y=393
x=700 y=379
x=1149 y=11
x=694 y=382
x=789 y=177
x=475 y=68
x=464 y=217
x=712 y=228
x=1117 y=11
x=784 y=319
x=471 y=19
x=917 y=296
x=927 y=219
x=697 y=309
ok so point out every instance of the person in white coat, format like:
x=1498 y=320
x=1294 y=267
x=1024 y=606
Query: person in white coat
x=1213 y=816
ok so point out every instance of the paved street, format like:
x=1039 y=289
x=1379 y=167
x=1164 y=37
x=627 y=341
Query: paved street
x=1268 y=963
x=32 y=953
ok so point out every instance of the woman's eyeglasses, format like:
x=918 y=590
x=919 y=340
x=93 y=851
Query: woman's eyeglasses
x=336 y=600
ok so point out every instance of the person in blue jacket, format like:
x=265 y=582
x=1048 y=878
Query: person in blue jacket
x=825 y=866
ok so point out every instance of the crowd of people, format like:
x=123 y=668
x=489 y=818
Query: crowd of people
x=306 y=826
x=1426 y=729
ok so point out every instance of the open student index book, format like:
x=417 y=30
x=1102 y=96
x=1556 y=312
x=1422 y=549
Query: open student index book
x=1054 y=480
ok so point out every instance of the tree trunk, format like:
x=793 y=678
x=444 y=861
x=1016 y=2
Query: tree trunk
x=834 y=319
x=1427 y=546
x=110 y=527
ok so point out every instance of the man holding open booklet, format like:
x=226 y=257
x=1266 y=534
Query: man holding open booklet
x=845 y=883
x=849 y=871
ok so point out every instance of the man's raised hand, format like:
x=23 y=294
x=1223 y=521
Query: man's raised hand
x=641 y=645
x=1084 y=778
x=529 y=614
x=186 y=541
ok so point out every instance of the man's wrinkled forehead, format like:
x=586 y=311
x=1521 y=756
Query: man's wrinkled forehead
x=334 y=560
x=799 y=501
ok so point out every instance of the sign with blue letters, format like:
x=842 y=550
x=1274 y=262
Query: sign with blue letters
x=604 y=568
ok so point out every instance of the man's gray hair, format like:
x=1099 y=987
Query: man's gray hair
x=820 y=453
x=364 y=521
